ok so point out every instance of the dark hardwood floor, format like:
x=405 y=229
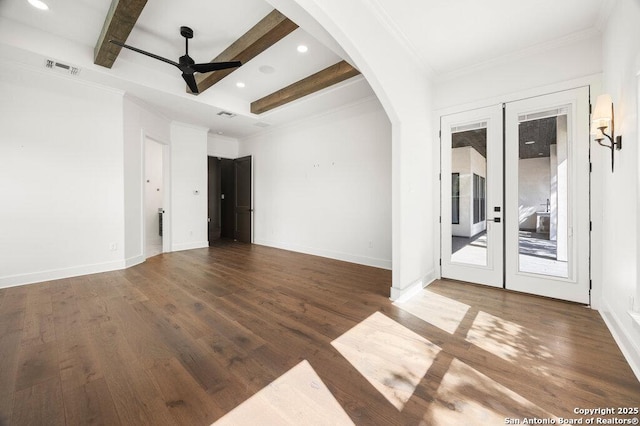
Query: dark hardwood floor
x=249 y=334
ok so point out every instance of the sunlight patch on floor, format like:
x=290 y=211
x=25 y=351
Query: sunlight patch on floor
x=507 y=340
x=441 y=311
x=391 y=357
x=467 y=397
x=298 y=397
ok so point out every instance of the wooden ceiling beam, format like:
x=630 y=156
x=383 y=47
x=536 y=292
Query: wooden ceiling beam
x=318 y=81
x=271 y=29
x=120 y=20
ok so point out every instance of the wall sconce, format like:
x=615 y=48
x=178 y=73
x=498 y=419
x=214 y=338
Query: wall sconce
x=601 y=120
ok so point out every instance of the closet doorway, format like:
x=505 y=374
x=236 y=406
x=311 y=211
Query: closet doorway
x=229 y=199
x=154 y=197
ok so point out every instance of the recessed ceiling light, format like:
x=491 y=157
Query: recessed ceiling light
x=267 y=69
x=302 y=48
x=220 y=133
x=39 y=4
x=240 y=84
x=530 y=142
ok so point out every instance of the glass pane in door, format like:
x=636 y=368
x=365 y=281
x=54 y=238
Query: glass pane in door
x=468 y=194
x=543 y=193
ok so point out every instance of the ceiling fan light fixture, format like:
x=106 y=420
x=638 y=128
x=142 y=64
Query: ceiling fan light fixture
x=39 y=4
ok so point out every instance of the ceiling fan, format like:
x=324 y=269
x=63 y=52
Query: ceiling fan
x=185 y=63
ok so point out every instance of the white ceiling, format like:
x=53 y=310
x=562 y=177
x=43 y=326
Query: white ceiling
x=446 y=35
x=449 y=35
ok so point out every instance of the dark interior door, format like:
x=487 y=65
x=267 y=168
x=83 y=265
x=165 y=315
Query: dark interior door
x=243 y=199
x=214 y=191
x=227 y=198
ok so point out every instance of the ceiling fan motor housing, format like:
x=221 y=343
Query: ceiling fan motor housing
x=186 y=32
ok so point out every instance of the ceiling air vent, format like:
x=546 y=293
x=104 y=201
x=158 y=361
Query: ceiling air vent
x=261 y=124
x=60 y=67
x=226 y=114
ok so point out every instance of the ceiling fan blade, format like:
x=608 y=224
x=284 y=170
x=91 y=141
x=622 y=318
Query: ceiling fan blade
x=215 y=66
x=135 y=49
x=191 y=82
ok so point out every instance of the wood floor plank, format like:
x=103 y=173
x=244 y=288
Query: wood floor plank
x=204 y=368
x=6 y=408
x=186 y=337
x=9 y=362
x=144 y=340
x=78 y=360
x=67 y=318
x=40 y=404
x=13 y=309
x=90 y=404
x=38 y=320
x=135 y=396
x=188 y=403
x=37 y=364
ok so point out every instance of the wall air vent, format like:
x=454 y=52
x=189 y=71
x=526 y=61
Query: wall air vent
x=226 y=114
x=60 y=67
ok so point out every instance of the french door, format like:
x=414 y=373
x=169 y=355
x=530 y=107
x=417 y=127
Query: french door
x=515 y=195
x=472 y=188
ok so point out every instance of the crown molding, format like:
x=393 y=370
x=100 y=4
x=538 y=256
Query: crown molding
x=400 y=36
x=522 y=53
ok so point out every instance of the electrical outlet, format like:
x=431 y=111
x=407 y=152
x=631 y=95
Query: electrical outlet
x=113 y=246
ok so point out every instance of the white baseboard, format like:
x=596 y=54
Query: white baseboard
x=189 y=246
x=346 y=257
x=623 y=335
x=404 y=294
x=56 y=274
x=133 y=261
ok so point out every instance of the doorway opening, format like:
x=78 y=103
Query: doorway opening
x=515 y=195
x=154 y=197
x=230 y=199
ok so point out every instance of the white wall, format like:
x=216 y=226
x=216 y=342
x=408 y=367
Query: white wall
x=405 y=93
x=71 y=177
x=620 y=201
x=467 y=161
x=188 y=186
x=556 y=62
x=323 y=185
x=533 y=189
x=222 y=146
x=61 y=177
